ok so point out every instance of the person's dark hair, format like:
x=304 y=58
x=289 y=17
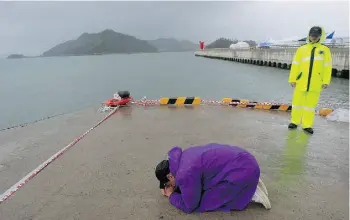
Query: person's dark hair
x=162 y=170
x=315 y=31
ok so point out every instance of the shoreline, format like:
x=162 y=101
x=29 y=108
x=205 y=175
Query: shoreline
x=102 y=54
x=24 y=124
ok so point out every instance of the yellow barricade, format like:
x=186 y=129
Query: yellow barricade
x=180 y=101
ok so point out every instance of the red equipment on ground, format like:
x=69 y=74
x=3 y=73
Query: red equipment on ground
x=124 y=99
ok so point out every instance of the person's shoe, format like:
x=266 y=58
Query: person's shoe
x=261 y=197
x=262 y=186
x=309 y=130
x=292 y=126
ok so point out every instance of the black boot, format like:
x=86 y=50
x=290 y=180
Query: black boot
x=292 y=126
x=309 y=130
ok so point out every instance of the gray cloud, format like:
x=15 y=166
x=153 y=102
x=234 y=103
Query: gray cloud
x=33 y=27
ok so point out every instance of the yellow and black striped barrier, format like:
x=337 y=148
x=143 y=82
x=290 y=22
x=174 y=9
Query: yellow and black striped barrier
x=191 y=102
x=244 y=103
x=180 y=101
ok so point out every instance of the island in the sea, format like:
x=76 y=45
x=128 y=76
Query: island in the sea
x=105 y=42
x=111 y=42
x=16 y=56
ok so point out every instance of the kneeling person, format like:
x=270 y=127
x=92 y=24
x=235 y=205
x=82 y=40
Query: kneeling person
x=213 y=177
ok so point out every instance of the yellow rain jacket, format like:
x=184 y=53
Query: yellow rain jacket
x=312 y=66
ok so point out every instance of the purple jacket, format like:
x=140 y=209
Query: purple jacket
x=213 y=177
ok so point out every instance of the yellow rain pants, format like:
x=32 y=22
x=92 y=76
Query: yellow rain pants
x=303 y=107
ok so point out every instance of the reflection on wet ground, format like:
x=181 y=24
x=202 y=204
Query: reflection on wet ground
x=293 y=157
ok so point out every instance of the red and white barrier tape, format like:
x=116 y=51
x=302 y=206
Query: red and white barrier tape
x=213 y=102
x=207 y=102
x=157 y=102
x=145 y=102
x=37 y=170
x=248 y=104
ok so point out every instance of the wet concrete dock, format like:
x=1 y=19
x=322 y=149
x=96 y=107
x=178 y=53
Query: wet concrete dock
x=109 y=174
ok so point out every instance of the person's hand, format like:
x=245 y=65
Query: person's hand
x=162 y=191
x=293 y=84
x=169 y=190
x=324 y=86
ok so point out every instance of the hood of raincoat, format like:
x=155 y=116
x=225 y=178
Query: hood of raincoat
x=174 y=156
x=322 y=39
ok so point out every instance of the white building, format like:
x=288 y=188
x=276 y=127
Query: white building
x=239 y=45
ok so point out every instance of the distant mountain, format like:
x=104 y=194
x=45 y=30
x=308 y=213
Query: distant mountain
x=173 y=45
x=105 y=42
x=221 y=43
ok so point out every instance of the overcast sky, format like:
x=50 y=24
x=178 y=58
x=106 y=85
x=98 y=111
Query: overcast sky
x=34 y=27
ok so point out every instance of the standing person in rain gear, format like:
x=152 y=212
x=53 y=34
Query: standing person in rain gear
x=213 y=177
x=310 y=73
